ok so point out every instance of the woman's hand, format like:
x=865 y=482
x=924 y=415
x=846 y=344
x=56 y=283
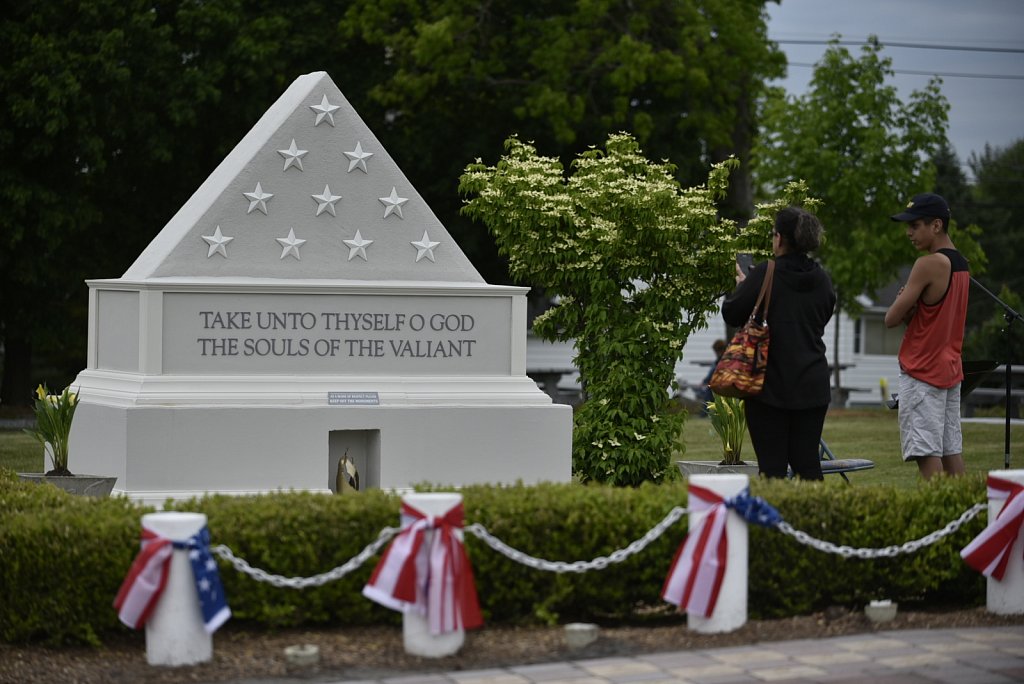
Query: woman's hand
x=740 y=275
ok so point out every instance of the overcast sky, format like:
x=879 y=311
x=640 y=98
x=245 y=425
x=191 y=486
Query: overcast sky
x=982 y=110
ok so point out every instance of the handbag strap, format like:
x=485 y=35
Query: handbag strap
x=766 y=292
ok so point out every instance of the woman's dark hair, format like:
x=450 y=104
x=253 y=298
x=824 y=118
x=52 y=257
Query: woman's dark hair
x=799 y=229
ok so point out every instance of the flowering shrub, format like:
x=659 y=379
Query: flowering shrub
x=729 y=419
x=54 y=413
x=638 y=263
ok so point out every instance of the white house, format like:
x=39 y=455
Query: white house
x=867 y=355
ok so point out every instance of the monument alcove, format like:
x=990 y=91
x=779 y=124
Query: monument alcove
x=305 y=301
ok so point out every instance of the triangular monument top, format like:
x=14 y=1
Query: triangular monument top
x=308 y=194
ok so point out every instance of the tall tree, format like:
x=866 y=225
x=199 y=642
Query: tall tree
x=678 y=75
x=85 y=95
x=951 y=183
x=999 y=177
x=996 y=205
x=114 y=111
x=864 y=151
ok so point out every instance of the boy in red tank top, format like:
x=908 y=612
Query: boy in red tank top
x=933 y=304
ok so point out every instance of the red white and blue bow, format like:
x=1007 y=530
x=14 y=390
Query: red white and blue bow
x=990 y=552
x=695 y=578
x=147 y=577
x=436 y=580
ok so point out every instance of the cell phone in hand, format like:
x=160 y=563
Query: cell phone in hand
x=746 y=262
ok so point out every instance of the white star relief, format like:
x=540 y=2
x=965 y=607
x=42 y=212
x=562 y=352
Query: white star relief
x=425 y=247
x=218 y=243
x=357 y=246
x=393 y=204
x=257 y=199
x=325 y=201
x=357 y=158
x=290 y=245
x=324 y=110
x=293 y=156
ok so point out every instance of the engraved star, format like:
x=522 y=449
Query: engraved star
x=357 y=158
x=257 y=199
x=325 y=201
x=293 y=155
x=393 y=203
x=217 y=243
x=357 y=246
x=425 y=247
x=324 y=110
x=291 y=245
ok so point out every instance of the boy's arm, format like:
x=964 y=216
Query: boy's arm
x=905 y=305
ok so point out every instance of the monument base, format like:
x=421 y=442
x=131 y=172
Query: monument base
x=181 y=444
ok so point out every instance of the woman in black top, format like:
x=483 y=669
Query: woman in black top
x=785 y=420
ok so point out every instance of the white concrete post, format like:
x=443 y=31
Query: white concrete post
x=416 y=628
x=175 y=634
x=731 y=609
x=1006 y=596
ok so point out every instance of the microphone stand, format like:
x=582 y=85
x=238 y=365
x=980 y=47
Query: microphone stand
x=1010 y=316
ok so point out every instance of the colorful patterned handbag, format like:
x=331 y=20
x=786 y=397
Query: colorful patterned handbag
x=740 y=372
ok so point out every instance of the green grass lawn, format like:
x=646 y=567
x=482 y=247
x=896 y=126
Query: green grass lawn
x=875 y=435
x=20 y=453
x=870 y=434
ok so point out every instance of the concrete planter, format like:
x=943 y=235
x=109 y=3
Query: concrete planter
x=81 y=485
x=688 y=468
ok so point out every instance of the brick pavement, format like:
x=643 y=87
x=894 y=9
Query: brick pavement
x=984 y=655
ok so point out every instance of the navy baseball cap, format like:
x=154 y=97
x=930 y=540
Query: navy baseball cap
x=925 y=205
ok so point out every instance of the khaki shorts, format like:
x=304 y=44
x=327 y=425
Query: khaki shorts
x=929 y=419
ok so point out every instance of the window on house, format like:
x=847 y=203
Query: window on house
x=876 y=338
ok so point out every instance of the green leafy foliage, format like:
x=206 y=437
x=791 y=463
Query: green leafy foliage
x=638 y=263
x=793 y=579
x=863 y=150
x=62 y=558
x=995 y=338
x=115 y=111
x=299 y=535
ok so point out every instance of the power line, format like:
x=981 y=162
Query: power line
x=913 y=72
x=919 y=46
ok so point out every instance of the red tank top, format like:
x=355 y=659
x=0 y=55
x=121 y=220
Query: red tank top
x=933 y=341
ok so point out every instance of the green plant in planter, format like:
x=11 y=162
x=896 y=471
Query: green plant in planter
x=54 y=413
x=729 y=420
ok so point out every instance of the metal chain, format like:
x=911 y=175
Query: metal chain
x=885 y=552
x=316 y=580
x=599 y=563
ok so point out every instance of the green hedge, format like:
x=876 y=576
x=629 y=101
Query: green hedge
x=62 y=558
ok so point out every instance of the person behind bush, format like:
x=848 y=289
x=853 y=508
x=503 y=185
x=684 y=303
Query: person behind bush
x=705 y=394
x=786 y=418
x=933 y=304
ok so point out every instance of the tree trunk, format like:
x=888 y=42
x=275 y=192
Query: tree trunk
x=16 y=385
x=739 y=200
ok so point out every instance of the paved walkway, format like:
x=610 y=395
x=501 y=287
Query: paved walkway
x=988 y=655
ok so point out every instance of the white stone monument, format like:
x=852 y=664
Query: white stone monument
x=305 y=304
